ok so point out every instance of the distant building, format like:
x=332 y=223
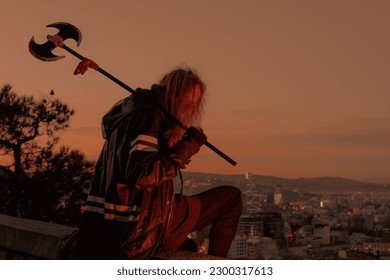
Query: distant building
x=269 y=249
x=304 y=235
x=322 y=234
x=278 y=196
x=356 y=222
x=250 y=226
x=263 y=224
x=254 y=247
x=239 y=248
x=273 y=225
x=250 y=230
x=327 y=204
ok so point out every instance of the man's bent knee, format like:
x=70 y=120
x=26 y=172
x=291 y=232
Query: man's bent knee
x=235 y=195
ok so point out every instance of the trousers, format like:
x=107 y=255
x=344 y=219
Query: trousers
x=219 y=207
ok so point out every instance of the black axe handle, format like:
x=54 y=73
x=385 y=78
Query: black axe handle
x=177 y=122
x=108 y=75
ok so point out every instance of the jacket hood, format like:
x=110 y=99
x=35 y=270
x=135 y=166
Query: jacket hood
x=116 y=114
x=124 y=107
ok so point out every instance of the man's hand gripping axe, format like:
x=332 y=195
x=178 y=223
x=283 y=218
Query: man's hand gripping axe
x=69 y=31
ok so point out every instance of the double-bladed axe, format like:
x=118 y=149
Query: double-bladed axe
x=69 y=31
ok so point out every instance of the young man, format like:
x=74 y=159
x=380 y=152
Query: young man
x=131 y=210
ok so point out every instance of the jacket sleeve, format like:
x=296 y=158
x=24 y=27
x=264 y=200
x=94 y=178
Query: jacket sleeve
x=147 y=164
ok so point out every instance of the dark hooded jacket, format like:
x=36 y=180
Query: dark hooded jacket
x=128 y=209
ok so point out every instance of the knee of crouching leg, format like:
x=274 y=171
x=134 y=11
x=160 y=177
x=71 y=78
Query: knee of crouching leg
x=239 y=199
x=236 y=191
x=236 y=195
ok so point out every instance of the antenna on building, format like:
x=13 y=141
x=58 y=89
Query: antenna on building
x=252 y=195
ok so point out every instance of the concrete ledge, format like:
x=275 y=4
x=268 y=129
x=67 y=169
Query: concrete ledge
x=30 y=239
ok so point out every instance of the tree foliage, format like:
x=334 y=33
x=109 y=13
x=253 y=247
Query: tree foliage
x=30 y=125
x=39 y=183
x=58 y=188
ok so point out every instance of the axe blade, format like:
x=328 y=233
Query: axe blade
x=43 y=51
x=67 y=31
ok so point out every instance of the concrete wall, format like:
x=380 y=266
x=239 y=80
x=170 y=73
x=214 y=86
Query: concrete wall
x=29 y=239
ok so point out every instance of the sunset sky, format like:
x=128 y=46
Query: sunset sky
x=294 y=88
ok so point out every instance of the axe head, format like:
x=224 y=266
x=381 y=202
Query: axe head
x=44 y=51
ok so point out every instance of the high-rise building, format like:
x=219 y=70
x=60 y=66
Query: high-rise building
x=239 y=248
x=273 y=225
x=250 y=226
x=264 y=224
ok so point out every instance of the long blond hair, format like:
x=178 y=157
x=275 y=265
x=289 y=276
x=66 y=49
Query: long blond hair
x=176 y=83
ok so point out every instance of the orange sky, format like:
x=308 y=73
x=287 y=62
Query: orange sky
x=295 y=88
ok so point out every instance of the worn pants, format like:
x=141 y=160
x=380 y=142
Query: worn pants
x=221 y=207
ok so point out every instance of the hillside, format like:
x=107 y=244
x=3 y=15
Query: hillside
x=318 y=184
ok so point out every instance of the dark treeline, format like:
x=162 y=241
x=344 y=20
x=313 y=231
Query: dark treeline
x=38 y=178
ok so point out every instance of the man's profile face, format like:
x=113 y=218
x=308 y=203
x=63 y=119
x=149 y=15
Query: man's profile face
x=190 y=104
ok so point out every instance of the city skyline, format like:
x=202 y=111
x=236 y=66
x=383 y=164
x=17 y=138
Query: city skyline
x=299 y=222
x=295 y=89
